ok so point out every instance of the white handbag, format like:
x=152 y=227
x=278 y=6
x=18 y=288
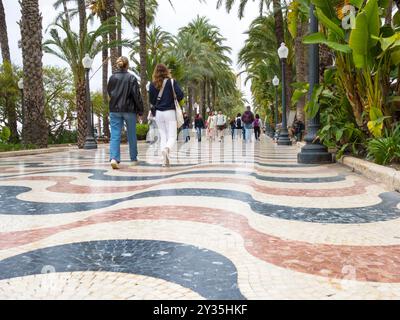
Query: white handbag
x=178 y=109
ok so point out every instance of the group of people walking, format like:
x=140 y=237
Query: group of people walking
x=126 y=104
x=244 y=125
x=165 y=94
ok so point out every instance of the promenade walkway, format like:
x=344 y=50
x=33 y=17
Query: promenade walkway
x=226 y=221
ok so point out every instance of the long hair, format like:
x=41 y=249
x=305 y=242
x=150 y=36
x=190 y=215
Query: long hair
x=161 y=72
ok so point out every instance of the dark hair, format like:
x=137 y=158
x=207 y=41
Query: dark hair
x=239 y=114
x=161 y=72
x=257 y=116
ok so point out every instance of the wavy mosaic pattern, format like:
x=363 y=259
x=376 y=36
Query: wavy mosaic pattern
x=225 y=221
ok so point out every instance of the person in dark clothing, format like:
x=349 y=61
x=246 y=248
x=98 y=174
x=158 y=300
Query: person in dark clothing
x=232 y=125
x=257 y=127
x=239 y=125
x=299 y=129
x=185 y=127
x=248 y=119
x=161 y=93
x=199 y=125
x=125 y=104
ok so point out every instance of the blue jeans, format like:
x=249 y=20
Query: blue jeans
x=117 y=122
x=247 y=128
x=198 y=131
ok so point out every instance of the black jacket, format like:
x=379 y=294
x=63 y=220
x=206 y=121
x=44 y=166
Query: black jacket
x=199 y=123
x=124 y=92
x=167 y=99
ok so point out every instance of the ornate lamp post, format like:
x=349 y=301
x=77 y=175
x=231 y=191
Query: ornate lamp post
x=313 y=151
x=275 y=82
x=90 y=142
x=21 y=89
x=283 y=139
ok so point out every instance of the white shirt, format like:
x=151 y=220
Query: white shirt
x=221 y=120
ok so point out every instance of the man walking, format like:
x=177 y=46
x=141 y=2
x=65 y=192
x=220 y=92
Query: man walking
x=248 y=119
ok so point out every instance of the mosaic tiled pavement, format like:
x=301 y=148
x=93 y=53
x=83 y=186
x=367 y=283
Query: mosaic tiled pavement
x=225 y=221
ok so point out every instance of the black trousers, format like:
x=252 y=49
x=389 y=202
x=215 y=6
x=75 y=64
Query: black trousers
x=257 y=132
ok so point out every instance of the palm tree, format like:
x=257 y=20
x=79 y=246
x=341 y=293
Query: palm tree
x=279 y=29
x=159 y=43
x=143 y=53
x=72 y=48
x=98 y=8
x=35 y=126
x=5 y=52
x=217 y=77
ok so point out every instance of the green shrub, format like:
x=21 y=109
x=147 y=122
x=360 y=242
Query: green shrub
x=386 y=149
x=5 y=134
x=141 y=131
x=4 y=147
x=65 y=136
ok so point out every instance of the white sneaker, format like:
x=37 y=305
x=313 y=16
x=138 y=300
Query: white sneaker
x=165 y=154
x=114 y=164
x=134 y=163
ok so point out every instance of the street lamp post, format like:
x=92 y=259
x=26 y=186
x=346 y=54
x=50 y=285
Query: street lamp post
x=313 y=152
x=283 y=139
x=90 y=142
x=21 y=89
x=275 y=82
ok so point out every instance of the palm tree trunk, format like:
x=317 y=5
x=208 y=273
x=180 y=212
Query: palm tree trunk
x=190 y=94
x=214 y=93
x=10 y=111
x=35 y=126
x=113 y=35
x=203 y=98
x=143 y=53
x=119 y=28
x=106 y=124
x=301 y=66
x=208 y=94
x=82 y=17
x=389 y=13
x=82 y=112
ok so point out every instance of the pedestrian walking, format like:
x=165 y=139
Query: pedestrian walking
x=152 y=134
x=199 y=125
x=239 y=126
x=221 y=125
x=248 y=119
x=212 y=126
x=125 y=105
x=162 y=91
x=257 y=127
x=185 y=127
x=232 y=125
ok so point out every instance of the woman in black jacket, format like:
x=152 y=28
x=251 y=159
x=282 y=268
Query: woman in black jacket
x=125 y=103
x=162 y=91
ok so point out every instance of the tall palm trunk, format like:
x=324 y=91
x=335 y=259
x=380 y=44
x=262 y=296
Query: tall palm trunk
x=389 y=13
x=301 y=65
x=143 y=53
x=119 y=27
x=203 y=98
x=81 y=105
x=35 y=126
x=106 y=123
x=11 y=114
x=110 y=8
x=82 y=17
x=280 y=37
x=190 y=94
x=208 y=94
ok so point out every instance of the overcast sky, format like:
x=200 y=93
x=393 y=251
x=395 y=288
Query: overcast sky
x=168 y=18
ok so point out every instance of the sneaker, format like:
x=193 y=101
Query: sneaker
x=165 y=158
x=134 y=163
x=114 y=164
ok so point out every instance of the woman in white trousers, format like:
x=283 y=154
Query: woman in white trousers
x=162 y=93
